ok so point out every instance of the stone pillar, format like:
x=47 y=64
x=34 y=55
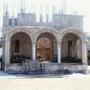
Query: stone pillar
x=34 y=51
x=3 y=54
x=84 y=53
x=59 y=52
x=7 y=53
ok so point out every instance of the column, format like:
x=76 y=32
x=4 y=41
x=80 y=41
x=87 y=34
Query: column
x=59 y=52
x=3 y=54
x=34 y=51
x=84 y=52
x=7 y=53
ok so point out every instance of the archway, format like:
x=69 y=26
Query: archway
x=46 y=47
x=20 y=47
x=71 y=51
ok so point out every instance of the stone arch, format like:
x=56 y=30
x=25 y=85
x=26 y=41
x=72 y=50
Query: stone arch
x=72 y=30
x=20 y=47
x=19 y=29
x=45 y=30
x=71 y=47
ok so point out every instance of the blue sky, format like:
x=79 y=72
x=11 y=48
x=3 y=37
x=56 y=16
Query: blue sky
x=81 y=7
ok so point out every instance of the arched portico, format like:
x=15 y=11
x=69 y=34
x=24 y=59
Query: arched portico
x=72 y=46
x=10 y=36
x=53 y=32
x=46 y=43
x=71 y=50
x=21 y=47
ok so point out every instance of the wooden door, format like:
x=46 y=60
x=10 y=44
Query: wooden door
x=44 y=49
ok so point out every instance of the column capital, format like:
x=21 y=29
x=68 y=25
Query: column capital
x=85 y=41
x=6 y=39
x=83 y=37
x=59 y=43
x=33 y=42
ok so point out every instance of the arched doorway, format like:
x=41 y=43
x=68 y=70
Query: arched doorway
x=71 y=51
x=20 y=47
x=46 y=47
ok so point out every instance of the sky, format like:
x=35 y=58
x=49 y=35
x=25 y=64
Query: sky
x=81 y=7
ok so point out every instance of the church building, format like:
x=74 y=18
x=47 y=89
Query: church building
x=58 y=44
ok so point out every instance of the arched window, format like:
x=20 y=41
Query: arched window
x=17 y=45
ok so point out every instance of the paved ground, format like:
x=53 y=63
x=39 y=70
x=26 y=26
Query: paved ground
x=75 y=82
x=67 y=82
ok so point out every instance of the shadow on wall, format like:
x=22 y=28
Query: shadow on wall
x=71 y=60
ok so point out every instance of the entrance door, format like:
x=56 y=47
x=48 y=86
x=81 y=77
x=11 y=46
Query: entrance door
x=44 y=49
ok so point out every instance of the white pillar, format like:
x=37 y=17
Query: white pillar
x=59 y=52
x=84 y=52
x=7 y=52
x=34 y=51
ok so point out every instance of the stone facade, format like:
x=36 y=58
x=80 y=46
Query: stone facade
x=58 y=21
x=57 y=44
x=30 y=35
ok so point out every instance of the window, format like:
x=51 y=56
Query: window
x=10 y=21
x=15 y=22
x=17 y=45
x=69 y=47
